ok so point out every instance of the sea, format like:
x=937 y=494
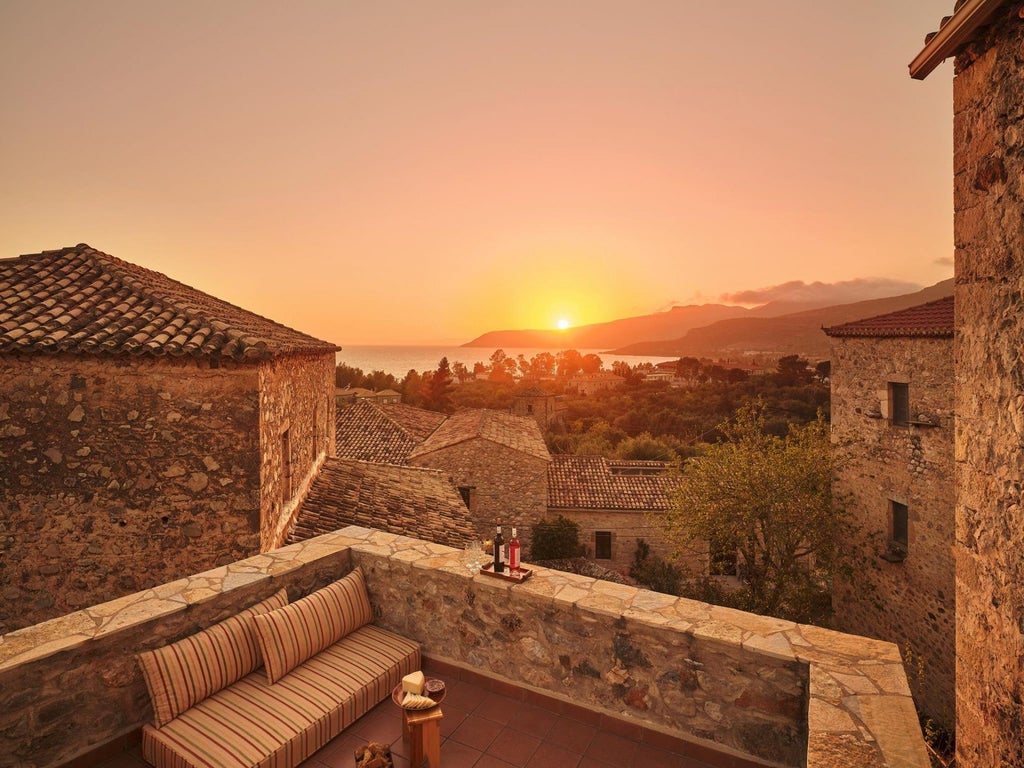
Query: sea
x=399 y=360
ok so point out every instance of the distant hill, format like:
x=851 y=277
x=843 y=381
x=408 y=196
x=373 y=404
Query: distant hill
x=660 y=326
x=794 y=333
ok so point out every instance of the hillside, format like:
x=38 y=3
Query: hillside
x=660 y=326
x=795 y=333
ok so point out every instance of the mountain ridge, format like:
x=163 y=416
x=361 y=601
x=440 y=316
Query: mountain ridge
x=782 y=327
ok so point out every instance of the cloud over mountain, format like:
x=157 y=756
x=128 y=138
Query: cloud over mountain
x=842 y=292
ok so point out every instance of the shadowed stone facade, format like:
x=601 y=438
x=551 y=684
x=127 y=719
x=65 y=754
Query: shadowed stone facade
x=910 y=600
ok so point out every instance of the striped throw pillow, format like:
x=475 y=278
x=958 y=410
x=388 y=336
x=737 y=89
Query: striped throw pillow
x=188 y=671
x=290 y=635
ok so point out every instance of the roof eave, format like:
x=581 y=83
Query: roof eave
x=952 y=35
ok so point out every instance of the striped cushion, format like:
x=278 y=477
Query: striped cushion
x=254 y=723
x=298 y=631
x=186 y=672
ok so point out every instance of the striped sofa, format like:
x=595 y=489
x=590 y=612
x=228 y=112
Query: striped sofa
x=324 y=663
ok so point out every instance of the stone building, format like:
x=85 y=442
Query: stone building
x=396 y=499
x=987 y=38
x=892 y=428
x=498 y=462
x=147 y=430
x=611 y=501
x=592 y=383
x=538 y=404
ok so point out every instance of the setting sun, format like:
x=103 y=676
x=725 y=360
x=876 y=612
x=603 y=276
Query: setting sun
x=562 y=324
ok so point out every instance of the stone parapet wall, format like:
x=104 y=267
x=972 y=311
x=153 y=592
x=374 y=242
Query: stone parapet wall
x=120 y=474
x=744 y=684
x=910 y=602
x=70 y=684
x=988 y=197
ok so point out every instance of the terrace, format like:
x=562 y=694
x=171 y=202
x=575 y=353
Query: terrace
x=676 y=682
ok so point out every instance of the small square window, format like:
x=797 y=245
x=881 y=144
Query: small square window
x=899 y=403
x=603 y=545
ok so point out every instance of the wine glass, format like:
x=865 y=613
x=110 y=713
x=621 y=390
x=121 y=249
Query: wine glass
x=474 y=548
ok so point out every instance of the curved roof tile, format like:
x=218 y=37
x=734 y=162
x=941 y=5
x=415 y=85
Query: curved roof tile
x=81 y=300
x=932 y=319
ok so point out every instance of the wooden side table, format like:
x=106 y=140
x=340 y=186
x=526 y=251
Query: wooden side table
x=422 y=731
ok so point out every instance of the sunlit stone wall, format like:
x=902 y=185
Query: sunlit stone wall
x=988 y=195
x=909 y=602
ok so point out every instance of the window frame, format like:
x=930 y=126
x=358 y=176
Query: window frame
x=899 y=403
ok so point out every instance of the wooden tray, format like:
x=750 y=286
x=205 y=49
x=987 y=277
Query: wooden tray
x=397 y=695
x=514 y=576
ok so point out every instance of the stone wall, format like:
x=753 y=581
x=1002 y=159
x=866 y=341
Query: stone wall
x=297 y=397
x=120 y=474
x=908 y=602
x=72 y=683
x=626 y=528
x=988 y=167
x=743 y=684
x=509 y=486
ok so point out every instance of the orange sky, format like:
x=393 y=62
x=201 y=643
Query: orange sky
x=417 y=172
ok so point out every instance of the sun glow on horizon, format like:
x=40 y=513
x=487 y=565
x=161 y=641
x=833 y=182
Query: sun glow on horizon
x=563 y=324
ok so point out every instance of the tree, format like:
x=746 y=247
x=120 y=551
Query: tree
x=347 y=376
x=793 y=370
x=436 y=389
x=412 y=388
x=460 y=372
x=769 y=498
x=653 y=572
x=557 y=539
x=569 y=362
x=591 y=363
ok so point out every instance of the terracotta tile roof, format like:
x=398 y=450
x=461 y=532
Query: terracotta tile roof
x=364 y=431
x=418 y=422
x=80 y=300
x=403 y=500
x=932 y=319
x=520 y=433
x=592 y=482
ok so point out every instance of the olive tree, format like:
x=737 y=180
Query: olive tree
x=769 y=500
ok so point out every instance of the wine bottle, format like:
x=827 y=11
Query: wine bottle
x=513 y=551
x=499 y=551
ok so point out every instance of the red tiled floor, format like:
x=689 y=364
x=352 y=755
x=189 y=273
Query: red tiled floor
x=482 y=728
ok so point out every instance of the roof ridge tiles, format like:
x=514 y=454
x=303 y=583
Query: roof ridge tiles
x=102 y=304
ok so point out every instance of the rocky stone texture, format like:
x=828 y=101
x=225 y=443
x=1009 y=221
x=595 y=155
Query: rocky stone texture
x=754 y=685
x=120 y=474
x=509 y=485
x=71 y=684
x=746 y=684
x=296 y=394
x=911 y=602
x=988 y=167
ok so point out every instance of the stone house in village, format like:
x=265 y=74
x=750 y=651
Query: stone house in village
x=892 y=429
x=987 y=37
x=143 y=423
x=612 y=502
x=538 y=404
x=497 y=461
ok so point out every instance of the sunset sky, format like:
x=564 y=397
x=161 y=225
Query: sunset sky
x=422 y=172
